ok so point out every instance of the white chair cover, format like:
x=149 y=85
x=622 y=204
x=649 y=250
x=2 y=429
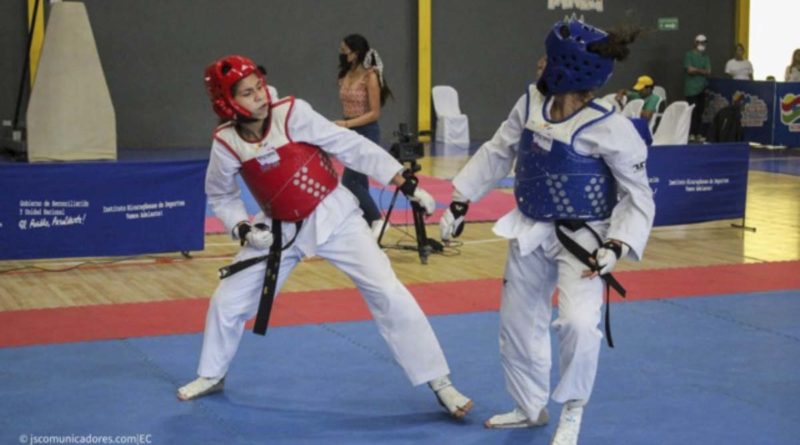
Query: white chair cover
x=674 y=126
x=633 y=109
x=452 y=127
x=661 y=92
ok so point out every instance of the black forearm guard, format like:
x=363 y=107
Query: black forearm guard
x=458 y=209
x=614 y=247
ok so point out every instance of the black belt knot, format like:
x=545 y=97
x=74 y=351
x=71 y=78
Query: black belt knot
x=587 y=258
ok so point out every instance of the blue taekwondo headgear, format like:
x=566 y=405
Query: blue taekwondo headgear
x=570 y=65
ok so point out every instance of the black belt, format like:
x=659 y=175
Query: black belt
x=584 y=257
x=268 y=288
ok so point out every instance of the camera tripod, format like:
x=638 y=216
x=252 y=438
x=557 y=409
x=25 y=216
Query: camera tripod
x=425 y=246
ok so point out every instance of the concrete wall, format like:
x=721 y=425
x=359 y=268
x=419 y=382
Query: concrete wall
x=154 y=53
x=487 y=50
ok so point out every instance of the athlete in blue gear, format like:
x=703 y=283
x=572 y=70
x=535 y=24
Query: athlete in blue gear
x=580 y=180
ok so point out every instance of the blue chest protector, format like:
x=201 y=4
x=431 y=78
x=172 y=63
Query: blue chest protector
x=553 y=181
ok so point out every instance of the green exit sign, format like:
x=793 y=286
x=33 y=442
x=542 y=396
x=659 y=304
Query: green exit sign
x=668 y=23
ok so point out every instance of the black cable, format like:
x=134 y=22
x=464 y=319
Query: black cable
x=409 y=241
x=25 y=67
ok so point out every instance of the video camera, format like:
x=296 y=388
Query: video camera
x=407 y=148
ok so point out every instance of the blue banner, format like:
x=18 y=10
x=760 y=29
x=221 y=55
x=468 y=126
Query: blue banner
x=787 y=116
x=697 y=183
x=758 y=109
x=101 y=209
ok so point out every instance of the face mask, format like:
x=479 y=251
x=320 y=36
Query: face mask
x=701 y=47
x=343 y=60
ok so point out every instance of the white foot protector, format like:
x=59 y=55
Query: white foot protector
x=517 y=419
x=201 y=386
x=569 y=425
x=455 y=403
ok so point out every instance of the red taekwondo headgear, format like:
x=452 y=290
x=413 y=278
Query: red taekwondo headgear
x=221 y=76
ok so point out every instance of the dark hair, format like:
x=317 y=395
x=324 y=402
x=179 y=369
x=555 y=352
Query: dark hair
x=616 y=46
x=359 y=45
x=794 y=56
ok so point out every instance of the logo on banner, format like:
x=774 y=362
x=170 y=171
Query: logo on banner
x=790 y=111
x=580 y=5
x=715 y=103
x=754 y=112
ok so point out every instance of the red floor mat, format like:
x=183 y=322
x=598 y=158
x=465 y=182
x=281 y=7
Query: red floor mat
x=42 y=326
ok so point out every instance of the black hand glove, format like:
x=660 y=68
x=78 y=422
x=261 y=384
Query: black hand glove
x=452 y=222
x=260 y=238
x=418 y=195
x=242 y=229
x=608 y=254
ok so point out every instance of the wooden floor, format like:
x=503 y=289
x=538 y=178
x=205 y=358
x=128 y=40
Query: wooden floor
x=773 y=208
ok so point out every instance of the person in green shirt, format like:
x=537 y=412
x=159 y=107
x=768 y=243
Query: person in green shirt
x=698 y=68
x=643 y=89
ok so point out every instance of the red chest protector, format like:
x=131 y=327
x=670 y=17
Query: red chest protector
x=288 y=179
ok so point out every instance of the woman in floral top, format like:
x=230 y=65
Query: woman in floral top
x=362 y=91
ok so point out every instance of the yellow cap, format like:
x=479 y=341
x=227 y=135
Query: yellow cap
x=643 y=81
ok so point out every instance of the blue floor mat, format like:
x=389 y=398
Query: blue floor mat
x=719 y=370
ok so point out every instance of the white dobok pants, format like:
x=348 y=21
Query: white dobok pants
x=525 y=314
x=353 y=250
